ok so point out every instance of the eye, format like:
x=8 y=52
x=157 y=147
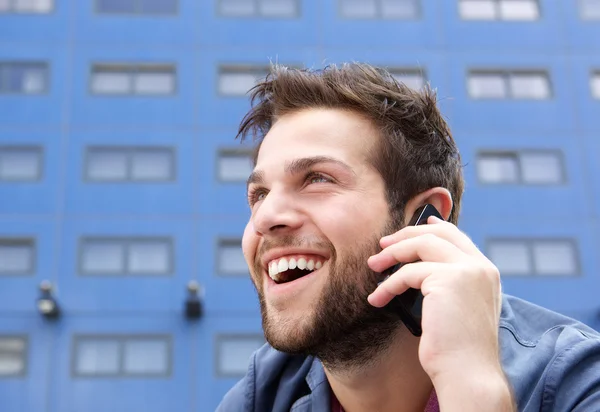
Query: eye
x=315 y=177
x=256 y=195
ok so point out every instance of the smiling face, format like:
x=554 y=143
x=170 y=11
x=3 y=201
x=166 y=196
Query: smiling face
x=318 y=212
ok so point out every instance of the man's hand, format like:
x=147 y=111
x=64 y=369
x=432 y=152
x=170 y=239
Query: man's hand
x=461 y=308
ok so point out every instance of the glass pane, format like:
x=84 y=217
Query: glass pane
x=278 y=8
x=595 y=84
x=234 y=354
x=103 y=257
x=358 y=9
x=159 y=6
x=238 y=83
x=115 y=6
x=231 y=259
x=477 y=9
x=16 y=257
x=234 y=168
x=20 y=164
x=149 y=357
x=11 y=364
x=399 y=9
x=541 y=168
x=498 y=168
x=4 y=5
x=25 y=78
x=111 y=82
x=519 y=9
x=529 y=86
x=97 y=357
x=12 y=345
x=554 y=258
x=590 y=9
x=34 y=6
x=149 y=257
x=510 y=257
x=152 y=165
x=412 y=80
x=107 y=164
x=487 y=86
x=237 y=7
x=154 y=83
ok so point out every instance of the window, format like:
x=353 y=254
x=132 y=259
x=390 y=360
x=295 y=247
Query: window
x=523 y=10
x=238 y=80
x=231 y=258
x=549 y=257
x=17 y=256
x=528 y=167
x=413 y=78
x=130 y=164
x=234 y=352
x=534 y=85
x=589 y=9
x=259 y=8
x=23 y=78
x=26 y=6
x=121 y=256
x=133 y=79
x=380 y=9
x=13 y=354
x=152 y=7
x=234 y=165
x=595 y=84
x=126 y=356
x=22 y=164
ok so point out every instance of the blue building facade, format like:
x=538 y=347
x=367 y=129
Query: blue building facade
x=121 y=182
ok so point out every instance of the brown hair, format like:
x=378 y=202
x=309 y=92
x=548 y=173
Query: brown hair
x=416 y=150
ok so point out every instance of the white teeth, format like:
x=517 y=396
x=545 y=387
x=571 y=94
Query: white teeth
x=301 y=263
x=292 y=263
x=283 y=265
x=318 y=265
x=310 y=265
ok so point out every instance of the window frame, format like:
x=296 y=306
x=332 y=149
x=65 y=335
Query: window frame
x=529 y=244
x=125 y=242
x=8 y=64
x=121 y=340
x=227 y=240
x=419 y=71
x=230 y=152
x=506 y=75
x=24 y=355
x=129 y=152
x=222 y=337
x=518 y=155
x=11 y=9
x=30 y=241
x=498 y=16
x=379 y=15
x=40 y=152
x=257 y=14
x=228 y=68
x=132 y=70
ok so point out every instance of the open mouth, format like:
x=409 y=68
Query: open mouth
x=288 y=269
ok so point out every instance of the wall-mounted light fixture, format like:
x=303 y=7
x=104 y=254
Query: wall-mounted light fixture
x=47 y=304
x=193 y=304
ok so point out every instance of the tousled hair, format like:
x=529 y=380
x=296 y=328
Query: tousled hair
x=415 y=150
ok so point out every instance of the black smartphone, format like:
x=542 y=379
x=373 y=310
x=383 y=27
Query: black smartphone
x=409 y=304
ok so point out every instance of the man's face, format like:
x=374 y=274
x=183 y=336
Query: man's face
x=318 y=212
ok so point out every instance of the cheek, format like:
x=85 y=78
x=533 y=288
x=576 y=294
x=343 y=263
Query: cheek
x=249 y=243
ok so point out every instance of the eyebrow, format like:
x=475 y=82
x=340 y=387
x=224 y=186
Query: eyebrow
x=298 y=166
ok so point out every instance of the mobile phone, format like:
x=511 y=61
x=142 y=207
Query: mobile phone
x=409 y=304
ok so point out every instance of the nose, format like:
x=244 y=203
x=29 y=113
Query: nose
x=277 y=214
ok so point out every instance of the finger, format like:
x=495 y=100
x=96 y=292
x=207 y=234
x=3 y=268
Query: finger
x=438 y=227
x=427 y=247
x=411 y=275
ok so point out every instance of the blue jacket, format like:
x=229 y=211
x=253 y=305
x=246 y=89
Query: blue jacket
x=551 y=361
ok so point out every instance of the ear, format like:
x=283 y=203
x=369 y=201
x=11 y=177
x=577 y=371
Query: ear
x=439 y=197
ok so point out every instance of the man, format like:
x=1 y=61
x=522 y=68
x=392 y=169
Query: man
x=345 y=157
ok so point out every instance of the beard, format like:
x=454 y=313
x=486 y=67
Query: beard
x=343 y=330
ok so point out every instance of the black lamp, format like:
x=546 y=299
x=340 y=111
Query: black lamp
x=193 y=305
x=47 y=304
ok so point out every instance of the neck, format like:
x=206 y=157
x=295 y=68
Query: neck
x=392 y=381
